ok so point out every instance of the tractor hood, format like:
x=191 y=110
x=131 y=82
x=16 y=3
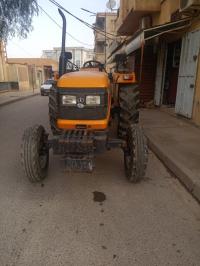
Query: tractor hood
x=84 y=79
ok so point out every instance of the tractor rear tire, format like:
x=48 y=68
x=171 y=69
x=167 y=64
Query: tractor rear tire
x=129 y=107
x=35 y=153
x=136 y=154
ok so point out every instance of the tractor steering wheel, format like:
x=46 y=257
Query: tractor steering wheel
x=93 y=64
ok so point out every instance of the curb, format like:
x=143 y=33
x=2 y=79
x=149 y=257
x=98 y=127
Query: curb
x=185 y=176
x=18 y=99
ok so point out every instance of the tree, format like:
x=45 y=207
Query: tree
x=16 y=17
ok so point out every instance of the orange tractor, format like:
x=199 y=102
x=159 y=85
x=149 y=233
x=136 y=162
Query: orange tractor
x=90 y=112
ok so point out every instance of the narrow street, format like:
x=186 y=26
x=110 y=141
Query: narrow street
x=156 y=222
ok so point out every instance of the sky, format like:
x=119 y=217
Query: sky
x=46 y=34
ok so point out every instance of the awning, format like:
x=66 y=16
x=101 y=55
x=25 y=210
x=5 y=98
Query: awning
x=147 y=34
x=166 y=28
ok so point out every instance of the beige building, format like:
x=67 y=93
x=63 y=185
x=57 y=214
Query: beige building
x=162 y=43
x=3 y=57
x=79 y=54
x=104 y=34
x=30 y=73
x=24 y=73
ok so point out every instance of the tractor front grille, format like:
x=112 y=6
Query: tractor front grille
x=87 y=112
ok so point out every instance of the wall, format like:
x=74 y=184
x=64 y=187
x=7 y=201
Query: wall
x=110 y=27
x=23 y=78
x=2 y=69
x=38 y=62
x=3 y=73
x=138 y=5
x=100 y=57
x=18 y=73
x=196 y=107
x=12 y=72
x=86 y=56
x=168 y=7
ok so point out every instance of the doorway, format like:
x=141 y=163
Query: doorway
x=171 y=73
x=168 y=61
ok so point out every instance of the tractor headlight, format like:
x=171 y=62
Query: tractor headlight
x=93 y=100
x=69 y=100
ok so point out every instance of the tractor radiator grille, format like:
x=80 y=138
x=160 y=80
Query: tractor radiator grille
x=87 y=112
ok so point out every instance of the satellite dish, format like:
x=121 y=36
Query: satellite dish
x=111 y=4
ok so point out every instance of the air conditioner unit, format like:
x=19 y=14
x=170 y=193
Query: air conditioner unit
x=187 y=5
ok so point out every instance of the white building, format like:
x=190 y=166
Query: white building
x=79 y=54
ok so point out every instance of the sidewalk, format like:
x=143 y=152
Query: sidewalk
x=14 y=96
x=177 y=143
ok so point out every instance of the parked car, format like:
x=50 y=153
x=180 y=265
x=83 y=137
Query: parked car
x=46 y=86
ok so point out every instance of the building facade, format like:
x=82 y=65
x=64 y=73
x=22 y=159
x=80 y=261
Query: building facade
x=163 y=41
x=30 y=73
x=79 y=54
x=104 y=34
x=24 y=73
x=3 y=58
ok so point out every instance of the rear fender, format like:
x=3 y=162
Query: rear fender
x=124 y=78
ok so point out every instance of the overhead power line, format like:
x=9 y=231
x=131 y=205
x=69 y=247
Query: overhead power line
x=84 y=22
x=93 y=13
x=61 y=28
x=21 y=48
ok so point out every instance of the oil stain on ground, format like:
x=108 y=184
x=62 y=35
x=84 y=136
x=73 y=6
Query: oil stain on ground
x=99 y=196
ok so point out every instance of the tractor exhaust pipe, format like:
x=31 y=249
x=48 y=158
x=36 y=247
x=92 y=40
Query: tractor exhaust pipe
x=62 y=59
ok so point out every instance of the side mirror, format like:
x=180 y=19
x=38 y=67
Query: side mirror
x=68 y=55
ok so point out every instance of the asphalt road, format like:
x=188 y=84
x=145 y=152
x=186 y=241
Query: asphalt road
x=55 y=223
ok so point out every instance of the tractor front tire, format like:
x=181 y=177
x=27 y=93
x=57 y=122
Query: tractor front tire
x=129 y=107
x=35 y=153
x=53 y=104
x=136 y=154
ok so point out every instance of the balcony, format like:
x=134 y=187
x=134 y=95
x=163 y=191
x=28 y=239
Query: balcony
x=131 y=11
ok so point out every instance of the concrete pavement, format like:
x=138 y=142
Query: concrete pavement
x=173 y=140
x=8 y=97
x=177 y=143
x=57 y=223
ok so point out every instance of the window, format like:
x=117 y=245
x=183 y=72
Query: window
x=100 y=23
